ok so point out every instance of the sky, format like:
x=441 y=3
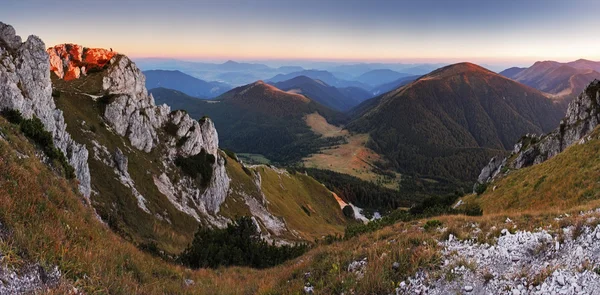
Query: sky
x=489 y=32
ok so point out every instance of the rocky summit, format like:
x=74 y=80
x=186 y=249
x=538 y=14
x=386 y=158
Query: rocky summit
x=70 y=61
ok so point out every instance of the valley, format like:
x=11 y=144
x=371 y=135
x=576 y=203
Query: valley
x=279 y=147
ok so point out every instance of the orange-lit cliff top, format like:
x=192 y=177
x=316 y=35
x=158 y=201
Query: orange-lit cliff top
x=69 y=61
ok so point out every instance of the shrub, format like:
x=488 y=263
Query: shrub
x=480 y=188
x=473 y=209
x=55 y=93
x=199 y=165
x=434 y=223
x=13 y=116
x=238 y=244
x=348 y=211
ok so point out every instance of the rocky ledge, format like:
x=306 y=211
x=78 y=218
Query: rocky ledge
x=544 y=261
x=132 y=113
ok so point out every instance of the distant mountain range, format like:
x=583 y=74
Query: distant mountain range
x=241 y=73
x=184 y=83
x=380 y=76
x=324 y=76
x=448 y=123
x=258 y=118
x=341 y=99
x=563 y=80
x=386 y=87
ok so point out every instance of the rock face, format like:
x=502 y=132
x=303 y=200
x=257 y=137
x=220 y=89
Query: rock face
x=25 y=86
x=131 y=112
x=583 y=115
x=69 y=61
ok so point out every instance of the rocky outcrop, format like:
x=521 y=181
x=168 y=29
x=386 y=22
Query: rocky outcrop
x=583 y=116
x=25 y=86
x=130 y=111
x=70 y=61
x=544 y=261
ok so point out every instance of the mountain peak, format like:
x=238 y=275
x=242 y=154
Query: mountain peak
x=455 y=69
x=68 y=61
x=231 y=62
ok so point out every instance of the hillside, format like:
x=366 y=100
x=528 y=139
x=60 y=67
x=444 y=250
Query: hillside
x=259 y=119
x=563 y=80
x=447 y=123
x=322 y=75
x=184 y=83
x=340 y=99
x=577 y=125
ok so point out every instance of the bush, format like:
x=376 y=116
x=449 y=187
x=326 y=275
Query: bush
x=199 y=165
x=55 y=93
x=434 y=223
x=480 y=188
x=13 y=116
x=238 y=244
x=473 y=209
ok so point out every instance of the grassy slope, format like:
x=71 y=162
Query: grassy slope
x=567 y=180
x=291 y=195
x=113 y=201
x=286 y=194
x=116 y=204
x=48 y=223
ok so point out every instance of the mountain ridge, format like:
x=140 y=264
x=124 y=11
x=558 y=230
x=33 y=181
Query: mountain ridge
x=462 y=106
x=190 y=85
x=340 y=99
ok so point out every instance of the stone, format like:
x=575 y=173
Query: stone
x=468 y=288
x=69 y=61
x=25 y=86
x=560 y=279
x=395 y=266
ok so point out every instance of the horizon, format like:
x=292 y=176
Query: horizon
x=497 y=33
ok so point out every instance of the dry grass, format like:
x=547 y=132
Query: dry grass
x=565 y=181
x=319 y=125
x=49 y=224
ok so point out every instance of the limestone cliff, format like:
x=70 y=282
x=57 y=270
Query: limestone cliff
x=583 y=115
x=25 y=86
x=160 y=135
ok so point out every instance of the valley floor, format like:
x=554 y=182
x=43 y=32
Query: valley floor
x=352 y=158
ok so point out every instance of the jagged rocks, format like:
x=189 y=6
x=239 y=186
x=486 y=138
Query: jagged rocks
x=69 y=61
x=582 y=117
x=130 y=111
x=25 y=86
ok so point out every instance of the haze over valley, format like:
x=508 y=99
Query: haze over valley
x=299 y=147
